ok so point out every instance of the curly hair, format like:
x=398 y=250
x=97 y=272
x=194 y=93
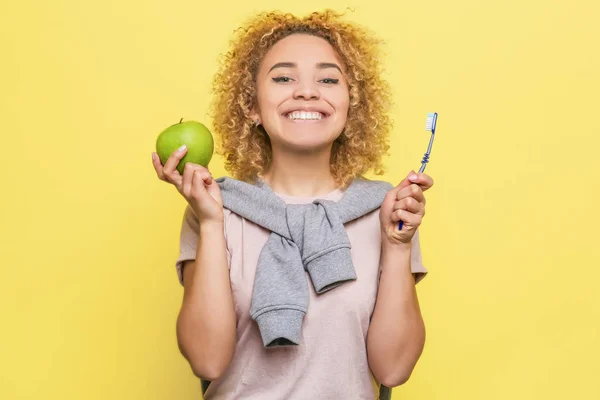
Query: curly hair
x=246 y=148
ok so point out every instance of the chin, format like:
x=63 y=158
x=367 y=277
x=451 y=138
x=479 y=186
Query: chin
x=306 y=146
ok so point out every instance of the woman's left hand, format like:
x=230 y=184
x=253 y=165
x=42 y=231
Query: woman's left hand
x=405 y=203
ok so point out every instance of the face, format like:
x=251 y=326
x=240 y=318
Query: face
x=302 y=93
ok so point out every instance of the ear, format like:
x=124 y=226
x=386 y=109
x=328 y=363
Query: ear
x=255 y=116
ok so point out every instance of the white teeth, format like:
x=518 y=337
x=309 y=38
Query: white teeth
x=305 y=115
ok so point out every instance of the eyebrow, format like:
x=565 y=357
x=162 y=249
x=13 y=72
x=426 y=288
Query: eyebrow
x=321 y=65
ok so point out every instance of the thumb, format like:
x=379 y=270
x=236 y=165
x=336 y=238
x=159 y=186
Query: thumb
x=214 y=190
x=405 y=182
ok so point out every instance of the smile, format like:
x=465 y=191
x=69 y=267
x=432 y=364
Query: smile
x=305 y=116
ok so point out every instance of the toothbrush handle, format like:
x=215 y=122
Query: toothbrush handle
x=422 y=169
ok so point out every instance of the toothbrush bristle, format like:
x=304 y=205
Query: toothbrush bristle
x=430 y=123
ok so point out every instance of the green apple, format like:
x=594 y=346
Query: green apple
x=194 y=135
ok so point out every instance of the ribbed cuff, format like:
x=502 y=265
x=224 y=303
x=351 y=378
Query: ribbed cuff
x=282 y=327
x=331 y=269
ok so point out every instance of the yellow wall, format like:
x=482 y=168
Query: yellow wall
x=88 y=290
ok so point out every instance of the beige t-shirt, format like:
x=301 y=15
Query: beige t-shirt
x=331 y=360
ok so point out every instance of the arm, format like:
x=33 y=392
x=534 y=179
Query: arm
x=206 y=324
x=396 y=334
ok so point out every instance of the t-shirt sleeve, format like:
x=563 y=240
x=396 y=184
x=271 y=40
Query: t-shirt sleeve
x=188 y=239
x=416 y=260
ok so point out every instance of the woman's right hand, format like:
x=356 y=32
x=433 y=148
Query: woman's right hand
x=196 y=185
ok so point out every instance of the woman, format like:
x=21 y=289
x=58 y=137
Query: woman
x=300 y=110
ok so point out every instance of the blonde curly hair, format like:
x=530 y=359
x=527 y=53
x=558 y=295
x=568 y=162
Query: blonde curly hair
x=246 y=147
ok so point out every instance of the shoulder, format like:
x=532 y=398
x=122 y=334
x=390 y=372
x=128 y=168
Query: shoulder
x=364 y=190
x=371 y=183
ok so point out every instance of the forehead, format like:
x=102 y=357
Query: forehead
x=303 y=49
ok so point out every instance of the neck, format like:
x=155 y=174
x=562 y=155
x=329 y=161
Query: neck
x=301 y=174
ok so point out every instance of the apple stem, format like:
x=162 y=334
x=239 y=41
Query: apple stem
x=181 y=120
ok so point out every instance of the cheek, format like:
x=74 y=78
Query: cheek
x=342 y=98
x=342 y=104
x=269 y=98
x=262 y=99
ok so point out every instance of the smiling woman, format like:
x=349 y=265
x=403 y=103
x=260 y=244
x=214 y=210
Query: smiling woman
x=302 y=104
x=297 y=282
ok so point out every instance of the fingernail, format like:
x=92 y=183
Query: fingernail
x=182 y=148
x=153 y=156
x=413 y=177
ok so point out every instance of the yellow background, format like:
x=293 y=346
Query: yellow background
x=89 y=236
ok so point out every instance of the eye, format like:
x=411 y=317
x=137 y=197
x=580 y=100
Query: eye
x=330 y=80
x=283 y=79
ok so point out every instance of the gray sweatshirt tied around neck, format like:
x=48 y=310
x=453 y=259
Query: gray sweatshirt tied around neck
x=304 y=238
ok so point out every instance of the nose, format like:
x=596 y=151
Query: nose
x=307 y=91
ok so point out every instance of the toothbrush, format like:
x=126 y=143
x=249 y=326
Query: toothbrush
x=429 y=127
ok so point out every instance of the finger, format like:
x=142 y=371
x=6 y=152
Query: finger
x=411 y=205
x=409 y=219
x=157 y=166
x=421 y=179
x=215 y=190
x=414 y=191
x=199 y=179
x=170 y=168
x=406 y=181
x=188 y=175
x=394 y=193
